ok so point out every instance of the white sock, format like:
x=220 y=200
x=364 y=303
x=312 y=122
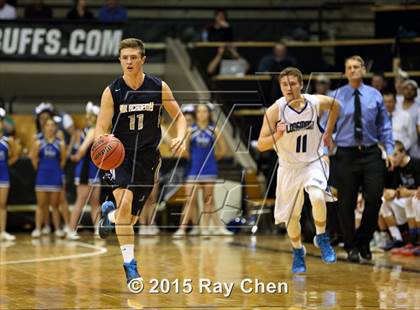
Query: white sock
x=127 y=251
x=111 y=216
x=395 y=233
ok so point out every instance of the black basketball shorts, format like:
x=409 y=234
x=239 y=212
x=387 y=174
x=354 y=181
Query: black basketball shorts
x=138 y=173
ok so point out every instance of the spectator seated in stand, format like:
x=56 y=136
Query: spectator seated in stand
x=322 y=86
x=38 y=10
x=112 y=12
x=379 y=82
x=7 y=12
x=228 y=62
x=79 y=11
x=219 y=30
x=278 y=60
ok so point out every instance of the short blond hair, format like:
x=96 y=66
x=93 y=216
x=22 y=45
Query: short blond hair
x=132 y=43
x=357 y=58
x=293 y=72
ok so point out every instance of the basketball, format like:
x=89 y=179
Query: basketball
x=107 y=152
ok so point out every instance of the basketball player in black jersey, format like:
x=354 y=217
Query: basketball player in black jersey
x=131 y=105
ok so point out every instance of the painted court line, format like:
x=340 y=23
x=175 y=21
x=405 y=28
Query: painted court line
x=98 y=251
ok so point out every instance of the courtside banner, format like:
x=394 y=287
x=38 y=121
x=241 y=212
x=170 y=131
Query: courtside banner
x=59 y=41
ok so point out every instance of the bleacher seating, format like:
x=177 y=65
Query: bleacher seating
x=314 y=19
x=324 y=55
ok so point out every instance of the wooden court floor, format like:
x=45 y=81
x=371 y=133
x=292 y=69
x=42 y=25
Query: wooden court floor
x=87 y=274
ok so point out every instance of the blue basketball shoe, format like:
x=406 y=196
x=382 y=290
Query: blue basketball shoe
x=299 y=265
x=328 y=255
x=105 y=225
x=134 y=280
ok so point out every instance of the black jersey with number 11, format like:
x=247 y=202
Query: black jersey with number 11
x=136 y=120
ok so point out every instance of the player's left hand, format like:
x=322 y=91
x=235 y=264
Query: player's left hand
x=418 y=194
x=389 y=163
x=390 y=194
x=327 y=139
x=177 y=146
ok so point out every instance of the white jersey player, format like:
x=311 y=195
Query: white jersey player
x=291 y=127
x=302 y=141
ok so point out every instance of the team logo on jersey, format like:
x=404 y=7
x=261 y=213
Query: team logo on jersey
x=136 y=107
x=203 y=141
x=302 y=125
x=49 y=151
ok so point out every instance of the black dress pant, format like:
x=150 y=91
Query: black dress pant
x=333 y=226
x=359 y=168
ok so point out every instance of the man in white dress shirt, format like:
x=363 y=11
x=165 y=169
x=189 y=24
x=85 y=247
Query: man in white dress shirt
x=411 y=105
x=403 y=128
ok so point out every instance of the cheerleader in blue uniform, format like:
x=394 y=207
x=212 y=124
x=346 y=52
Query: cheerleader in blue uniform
x=48 y=156
x=205 y=145
x=45 y=111
x=8 y=156
x=86 y=174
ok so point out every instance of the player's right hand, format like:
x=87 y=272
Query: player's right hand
x=280 y=129
x=390 y=194
x=403 y=192
x=327 y=137
x=97 y=138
